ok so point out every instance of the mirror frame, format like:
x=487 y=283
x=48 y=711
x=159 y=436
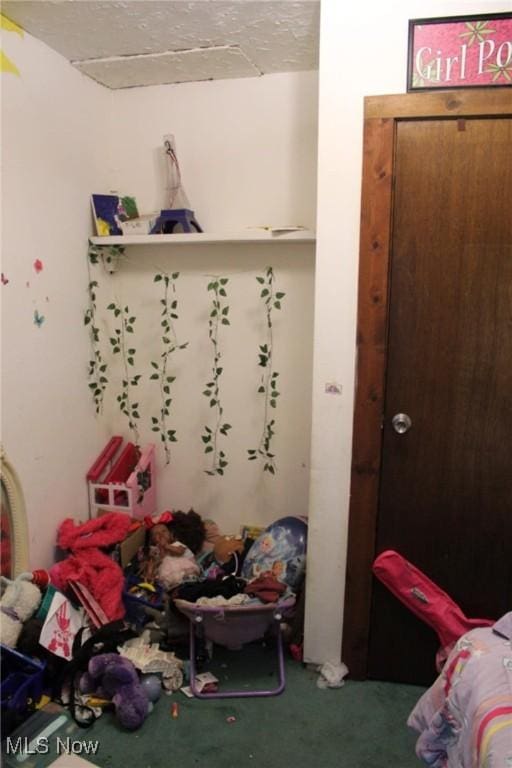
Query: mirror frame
x=18 y=516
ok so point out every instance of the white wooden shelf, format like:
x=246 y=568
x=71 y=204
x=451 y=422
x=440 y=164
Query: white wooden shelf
x=208 y=238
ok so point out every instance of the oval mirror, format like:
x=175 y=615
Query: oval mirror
x=13 y=522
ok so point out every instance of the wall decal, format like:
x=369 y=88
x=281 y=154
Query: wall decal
x=38 y=319
x=38 y=265
x=5 y=280
x=6 y=65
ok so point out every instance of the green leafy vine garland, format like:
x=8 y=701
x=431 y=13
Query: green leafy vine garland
x=120 y=346
x=218 y=316
x=97 y=370
x=268 y=382
x=169 y=346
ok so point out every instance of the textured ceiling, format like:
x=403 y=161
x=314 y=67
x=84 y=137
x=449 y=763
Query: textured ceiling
x=147 y=42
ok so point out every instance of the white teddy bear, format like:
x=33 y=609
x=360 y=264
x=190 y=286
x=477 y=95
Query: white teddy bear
x=20 y=599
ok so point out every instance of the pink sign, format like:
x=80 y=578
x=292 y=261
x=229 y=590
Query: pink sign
x=460 y=52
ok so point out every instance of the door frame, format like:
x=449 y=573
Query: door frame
x=381 y=115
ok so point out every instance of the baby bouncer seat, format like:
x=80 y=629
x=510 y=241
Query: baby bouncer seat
x=233 y=626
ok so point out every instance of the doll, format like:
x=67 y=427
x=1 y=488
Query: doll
x=170 y=561
x=188 y=527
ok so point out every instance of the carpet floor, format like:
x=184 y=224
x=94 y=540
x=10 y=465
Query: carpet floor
x=360 y=725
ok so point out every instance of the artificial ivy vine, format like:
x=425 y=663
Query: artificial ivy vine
x=97 y=370
x=218 y=316
x=169 y=346
x=120 y=346
x=109 y=255
x=268 y=382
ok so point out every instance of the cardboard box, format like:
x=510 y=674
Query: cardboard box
x=126 y=550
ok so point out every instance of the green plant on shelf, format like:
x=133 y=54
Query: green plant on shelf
x=120 y=346
x=268 y=386
x=161 y=373
x=219 y=311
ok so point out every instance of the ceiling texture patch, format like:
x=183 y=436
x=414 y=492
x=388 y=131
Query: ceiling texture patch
x=171 y=67
x=168 y=36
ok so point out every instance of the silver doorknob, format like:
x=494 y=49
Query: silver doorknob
x=401 y=423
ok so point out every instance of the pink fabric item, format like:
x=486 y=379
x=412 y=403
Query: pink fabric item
x=101 y=531
x=424 y=598
x=88 y=564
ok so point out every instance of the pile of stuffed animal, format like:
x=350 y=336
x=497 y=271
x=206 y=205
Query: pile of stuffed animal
x=184 y=558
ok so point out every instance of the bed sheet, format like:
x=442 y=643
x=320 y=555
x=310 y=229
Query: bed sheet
x=465 y=718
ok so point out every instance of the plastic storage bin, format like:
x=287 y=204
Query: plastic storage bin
x=21 y=680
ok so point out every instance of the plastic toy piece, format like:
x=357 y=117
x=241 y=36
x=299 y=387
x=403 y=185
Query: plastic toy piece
x=105 y=456
x=124 y=465
x=175 y=220
x=123 y=482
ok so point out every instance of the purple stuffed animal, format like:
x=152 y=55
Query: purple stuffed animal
x=113 y=677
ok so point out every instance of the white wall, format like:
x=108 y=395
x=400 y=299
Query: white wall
x=247 y=148
x=247 y=151
x=53 y=126
x=363 y=51
x=245 y=494
x=248 y=155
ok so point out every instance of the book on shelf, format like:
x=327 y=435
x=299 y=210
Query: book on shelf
x=111 y=211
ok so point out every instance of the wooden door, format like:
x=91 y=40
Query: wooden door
x=445 y=496
x=441 y=352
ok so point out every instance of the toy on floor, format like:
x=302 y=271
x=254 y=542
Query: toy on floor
x=150 y=661
x=88 y=565
x=227 y=547
x=123 y=479
x=110 y=676
x=20 y=600
x=281 y=551
x=226 y=557
x=212 y=534
x=188 y=527
x=152 y=686
x=170 y=561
